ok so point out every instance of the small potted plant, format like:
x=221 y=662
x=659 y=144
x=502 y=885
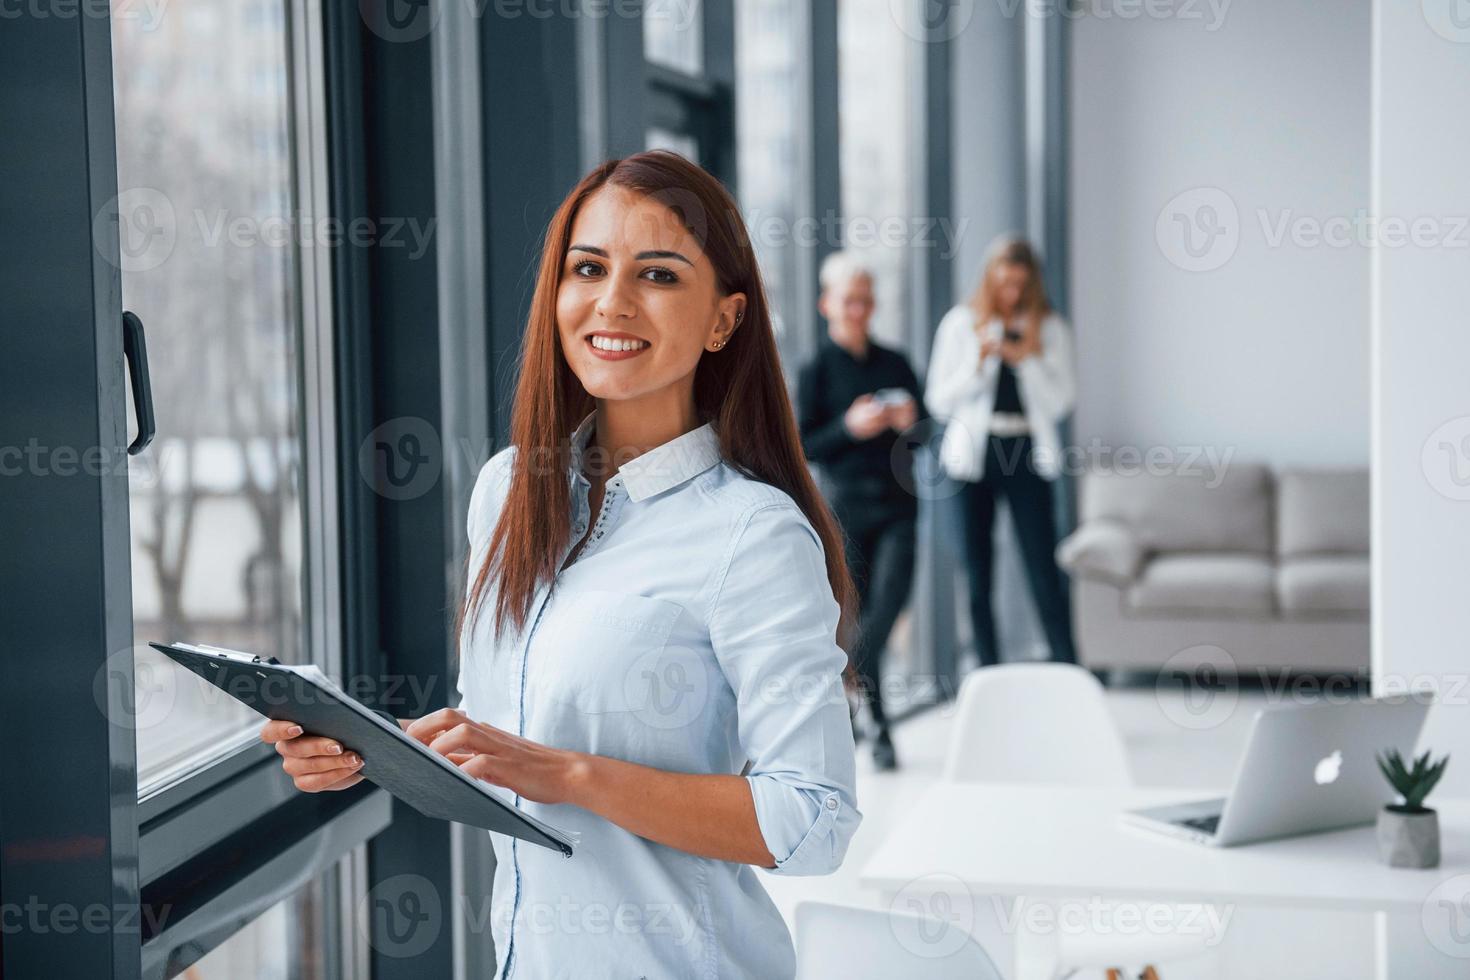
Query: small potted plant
x=1408 y=832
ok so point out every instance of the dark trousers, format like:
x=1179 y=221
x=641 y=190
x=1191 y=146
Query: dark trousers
x=880 y=558
x=1008 y=474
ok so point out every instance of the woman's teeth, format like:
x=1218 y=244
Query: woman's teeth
x=612 y=343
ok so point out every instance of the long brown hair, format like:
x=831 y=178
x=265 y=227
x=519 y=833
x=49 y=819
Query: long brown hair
x=738 y=388
x=1033 y=304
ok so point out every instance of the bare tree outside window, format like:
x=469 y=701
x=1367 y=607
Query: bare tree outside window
x=210 y=237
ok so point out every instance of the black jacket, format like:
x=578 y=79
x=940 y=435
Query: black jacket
x=876 y=469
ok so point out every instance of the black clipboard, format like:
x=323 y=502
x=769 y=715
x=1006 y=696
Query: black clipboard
x=402 y=765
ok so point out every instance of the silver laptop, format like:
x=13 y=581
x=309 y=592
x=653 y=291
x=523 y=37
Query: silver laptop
x=1307 y=768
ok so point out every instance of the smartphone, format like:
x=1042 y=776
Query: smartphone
x=891 y=396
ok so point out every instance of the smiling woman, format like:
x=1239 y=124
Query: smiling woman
x=652 y=638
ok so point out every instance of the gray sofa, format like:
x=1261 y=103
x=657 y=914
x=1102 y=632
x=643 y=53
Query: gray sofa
x=1271 y=568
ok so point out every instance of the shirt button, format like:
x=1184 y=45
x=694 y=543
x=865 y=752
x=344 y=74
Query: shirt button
x=831 y=803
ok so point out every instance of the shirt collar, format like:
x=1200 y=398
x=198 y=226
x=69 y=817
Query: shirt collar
x=661 y=468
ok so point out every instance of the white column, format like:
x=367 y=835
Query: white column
x=1421 y=362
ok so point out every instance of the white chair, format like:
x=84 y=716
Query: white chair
x=839 y=941
x=1035 y=723
x=1049 y=723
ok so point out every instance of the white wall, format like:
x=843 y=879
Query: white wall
x=1421 y=332
x=1266 y=350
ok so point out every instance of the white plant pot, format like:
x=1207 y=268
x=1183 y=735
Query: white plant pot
x=1408 y=840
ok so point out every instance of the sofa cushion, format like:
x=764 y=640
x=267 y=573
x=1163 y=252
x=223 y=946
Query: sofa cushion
x=1325 y=584
x=1200 y=509
x=1322 y=512
x=1206 y=583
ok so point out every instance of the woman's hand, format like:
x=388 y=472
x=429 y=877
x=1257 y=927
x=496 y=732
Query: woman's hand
x=532 y=770
x=709 y=815
x=1013 y=352
x=314 y=763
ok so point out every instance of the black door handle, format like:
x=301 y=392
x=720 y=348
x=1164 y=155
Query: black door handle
x=136 y=351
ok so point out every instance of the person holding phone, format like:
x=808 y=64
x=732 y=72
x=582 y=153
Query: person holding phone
x=855 y=398
x=1001 y=376
x=657 y=595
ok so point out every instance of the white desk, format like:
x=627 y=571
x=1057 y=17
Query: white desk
x=1047 y=842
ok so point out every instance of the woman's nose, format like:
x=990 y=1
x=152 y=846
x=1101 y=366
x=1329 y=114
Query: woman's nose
x=613 y=301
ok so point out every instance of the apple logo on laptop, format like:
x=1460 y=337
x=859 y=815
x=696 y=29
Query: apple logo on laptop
x=1329 y=769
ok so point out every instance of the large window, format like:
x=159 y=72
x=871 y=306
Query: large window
x=285 y=942
x=673 y=34
x=211 y=226
x=768 y=90
x=877 y=134
x=874 y=96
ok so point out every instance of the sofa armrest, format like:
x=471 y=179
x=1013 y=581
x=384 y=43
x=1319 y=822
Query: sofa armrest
x=1102 y=549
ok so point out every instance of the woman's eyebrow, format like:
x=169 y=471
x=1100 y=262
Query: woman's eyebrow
x=650 y=254
x=663 y=254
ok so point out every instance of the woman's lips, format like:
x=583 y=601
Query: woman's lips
x=615 y=355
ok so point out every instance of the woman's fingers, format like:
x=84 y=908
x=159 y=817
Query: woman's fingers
x=321 y=771
x=460 y=738
x=306 y=746
x=484 y=767
x=313 y=762
x=468 y=737
x=344 y=783
x=430 y=726
x=334 y=779
x=350 y=762
x=276 y=731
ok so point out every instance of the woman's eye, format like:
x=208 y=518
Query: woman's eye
x=586 y=268
x=660 y=274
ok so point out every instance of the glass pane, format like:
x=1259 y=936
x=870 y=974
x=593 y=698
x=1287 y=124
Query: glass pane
x=673 y=34
x=766 y=93
x=658 y=138
x=210 y=263
x=877 y=136
x=288 y=941
x=877 y=182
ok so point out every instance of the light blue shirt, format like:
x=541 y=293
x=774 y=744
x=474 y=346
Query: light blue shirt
x=695 y=632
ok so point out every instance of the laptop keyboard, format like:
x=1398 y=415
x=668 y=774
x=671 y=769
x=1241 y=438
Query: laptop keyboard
x=1204 y=824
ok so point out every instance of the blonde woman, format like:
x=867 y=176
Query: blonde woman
x=1002 y=377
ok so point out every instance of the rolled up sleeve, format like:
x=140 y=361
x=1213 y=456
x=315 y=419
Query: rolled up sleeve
x=773 y=626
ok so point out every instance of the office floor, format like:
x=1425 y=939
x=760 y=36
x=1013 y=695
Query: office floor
x=1161 y=750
